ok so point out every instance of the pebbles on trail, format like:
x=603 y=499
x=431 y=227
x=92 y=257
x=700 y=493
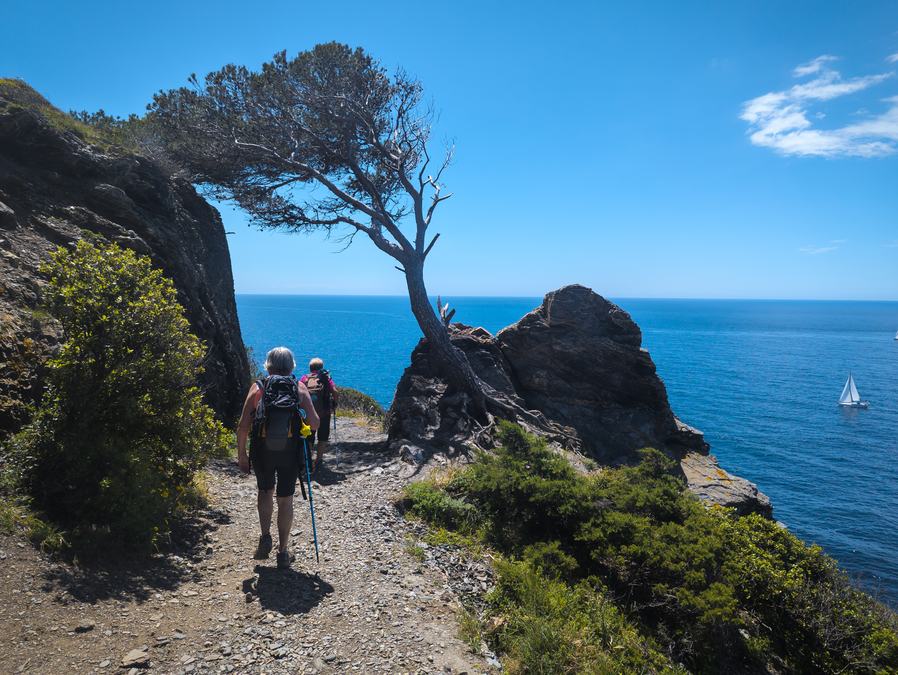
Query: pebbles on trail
x=367 y=607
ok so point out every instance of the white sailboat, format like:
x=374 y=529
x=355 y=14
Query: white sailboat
x=896 y=336
x=850 y=396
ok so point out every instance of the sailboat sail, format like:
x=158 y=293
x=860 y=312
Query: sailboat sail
x=845 y=398
x=855 y=397
x=850 y=395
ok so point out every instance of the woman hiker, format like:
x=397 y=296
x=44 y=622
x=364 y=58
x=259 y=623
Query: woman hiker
x=324 y=397
x=276 y=445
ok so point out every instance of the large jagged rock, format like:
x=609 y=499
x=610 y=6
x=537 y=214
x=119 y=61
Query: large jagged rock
x=578 y=360
x=54 y=189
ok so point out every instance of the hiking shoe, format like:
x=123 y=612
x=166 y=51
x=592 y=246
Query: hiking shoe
x=284 y=560
x=264 y=547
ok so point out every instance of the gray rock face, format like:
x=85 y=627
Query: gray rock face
x=578 y=360
x=713 y=485
x=55 y=188
x=425 y=411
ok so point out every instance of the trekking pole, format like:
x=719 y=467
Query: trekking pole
x=305 y=446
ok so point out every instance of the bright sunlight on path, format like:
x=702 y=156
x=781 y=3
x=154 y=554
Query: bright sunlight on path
x=368 y=607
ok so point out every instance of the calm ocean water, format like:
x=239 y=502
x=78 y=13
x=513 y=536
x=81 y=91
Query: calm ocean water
x=760 y=378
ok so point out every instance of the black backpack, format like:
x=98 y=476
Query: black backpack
x=277 y=421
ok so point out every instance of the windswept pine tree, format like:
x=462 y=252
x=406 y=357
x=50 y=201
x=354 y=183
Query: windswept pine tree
x=327 y=141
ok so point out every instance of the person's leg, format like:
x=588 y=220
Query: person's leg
x=319 y=452
x=323 y=435
x=265 y=504
x=287 y=471
x=285 y=521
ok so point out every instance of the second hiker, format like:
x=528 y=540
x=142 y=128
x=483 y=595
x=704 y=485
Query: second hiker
x=324 y=397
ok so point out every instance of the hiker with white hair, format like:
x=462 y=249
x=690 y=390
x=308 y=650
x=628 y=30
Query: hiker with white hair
x=272 y=421
x=324 y=397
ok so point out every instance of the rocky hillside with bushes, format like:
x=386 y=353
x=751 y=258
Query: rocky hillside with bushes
x=622 y=570
x=62 y=181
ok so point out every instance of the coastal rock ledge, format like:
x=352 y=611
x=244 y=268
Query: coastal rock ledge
x=577 y=360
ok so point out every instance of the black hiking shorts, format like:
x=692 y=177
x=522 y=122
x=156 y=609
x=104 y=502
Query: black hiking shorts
x=284 y=465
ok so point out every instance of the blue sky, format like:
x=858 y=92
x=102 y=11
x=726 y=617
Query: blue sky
x=645 y=149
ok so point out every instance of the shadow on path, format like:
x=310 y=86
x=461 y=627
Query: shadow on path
x=348 y=457
x=108 y=574
x=287 y=591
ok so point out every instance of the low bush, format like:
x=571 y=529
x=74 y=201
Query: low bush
x=546 y=626
x=112 y=453
x=711 y=590
x=353 y=401
x=17 y=517
x=434 y=505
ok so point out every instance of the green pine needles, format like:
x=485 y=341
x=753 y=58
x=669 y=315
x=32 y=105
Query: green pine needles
x=623 y=570
x=112 y=454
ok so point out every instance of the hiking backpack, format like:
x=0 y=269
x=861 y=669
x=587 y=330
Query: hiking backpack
x=319 y=385
x=277 y=422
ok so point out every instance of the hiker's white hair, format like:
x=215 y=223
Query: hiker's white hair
x=316 y=364
x=279 y=361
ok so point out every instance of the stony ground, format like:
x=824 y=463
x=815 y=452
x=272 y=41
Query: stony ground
x=369 y=606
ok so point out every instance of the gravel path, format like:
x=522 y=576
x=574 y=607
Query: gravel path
x=368 y=607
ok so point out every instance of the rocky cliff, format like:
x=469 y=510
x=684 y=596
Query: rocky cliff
x=59 y=181
x=578 y=360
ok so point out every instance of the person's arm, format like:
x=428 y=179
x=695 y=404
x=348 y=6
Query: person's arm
x=305 y=402
x=333 y=388
x=244 y=426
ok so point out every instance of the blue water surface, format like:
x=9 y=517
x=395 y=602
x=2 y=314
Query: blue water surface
x=760 y=378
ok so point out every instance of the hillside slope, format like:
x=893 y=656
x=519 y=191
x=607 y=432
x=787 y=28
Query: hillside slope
x=60 y=181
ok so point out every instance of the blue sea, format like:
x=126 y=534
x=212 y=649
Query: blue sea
x=760 y=378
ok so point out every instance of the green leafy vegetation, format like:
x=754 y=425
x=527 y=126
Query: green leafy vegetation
x=117 y=131
x=17 y=516
x=354 y=402
x=545 y=625
x=626 y=565
x=99 y=129
x=114 y=452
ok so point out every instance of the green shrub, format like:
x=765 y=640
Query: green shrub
x=355 y=401
x=112 y=452
x=524 y=491
x=16 y=516
x=547 y=626
x=713 y=591
x=427 y=501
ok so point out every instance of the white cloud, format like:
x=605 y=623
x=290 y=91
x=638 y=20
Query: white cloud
x=892 y=58
x=814 y=66
x=817 y=250
x=780 y=119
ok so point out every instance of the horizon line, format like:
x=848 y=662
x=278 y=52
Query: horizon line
x=540 y=297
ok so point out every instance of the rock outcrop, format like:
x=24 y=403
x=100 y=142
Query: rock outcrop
x=55 y=187
x=578 y=361
x=712 y=484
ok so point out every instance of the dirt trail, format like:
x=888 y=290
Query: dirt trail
x=368 y=607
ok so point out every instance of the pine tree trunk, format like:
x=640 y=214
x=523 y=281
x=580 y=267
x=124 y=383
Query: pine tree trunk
x=451 y=360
